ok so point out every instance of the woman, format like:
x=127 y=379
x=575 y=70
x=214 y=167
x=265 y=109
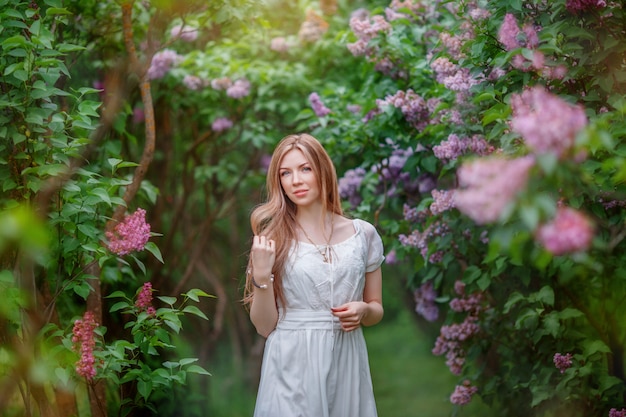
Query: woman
x=313 y=280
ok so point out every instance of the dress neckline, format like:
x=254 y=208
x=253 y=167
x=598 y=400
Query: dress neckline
x=357 y=230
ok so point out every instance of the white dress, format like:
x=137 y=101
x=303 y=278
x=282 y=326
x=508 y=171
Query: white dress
x=312 y=368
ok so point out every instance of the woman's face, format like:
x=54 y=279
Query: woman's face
x=298 y=180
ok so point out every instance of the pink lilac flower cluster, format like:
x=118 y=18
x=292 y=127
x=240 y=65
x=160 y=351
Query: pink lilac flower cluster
x=162 y=63
x=452 y=76
x=221 y=83
x=466 y=303
x=366 y=29
x=453 y=44
x=451 y=338
x=391 y=15
x=318 y=106
x=569 y=231
x=130 y=235
x=414 y=108
x=463 y=394
x=443 y=200
x=84 y=341
x=455 y=146
x=239 y=89
x=144 y=299
x=613 y=412
x=479 y=14
x=221 y=123
x=578 y=6
x=450 y=342
x=546 y=122
x=279 y=44
x=184 y=32
x=489 y=185
x=425 y=305
x=349 y=186
x=512 y=37
x=562 y=362
x=194 y=82
x=313 y=28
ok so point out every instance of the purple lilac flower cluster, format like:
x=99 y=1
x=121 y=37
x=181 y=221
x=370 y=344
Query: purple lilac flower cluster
x=194 y=82
x=318 y=106
x=144 y=299
x=239 y=89
x=463 y=394
x=394 y=177
x=349 y=186
x=414 y=108
x=162 y=63
x=546 y=122
x=443 y=200
x=185 y=33
x=562 y=362
x=130 y=235
x=413 y=215
x=488 y=185
x=451 y=338
x=84 y=341
x=569 y=231
x=613 y=412
x=578 y=6
x=366 y=29
x=221 y=123
x=455 y=146
x=425 y=305
x=420 y=240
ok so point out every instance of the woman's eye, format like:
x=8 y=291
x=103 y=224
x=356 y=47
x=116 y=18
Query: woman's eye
x=306 y=169
x=284 y=173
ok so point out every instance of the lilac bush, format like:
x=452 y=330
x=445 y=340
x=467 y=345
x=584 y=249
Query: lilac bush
x=514 y=112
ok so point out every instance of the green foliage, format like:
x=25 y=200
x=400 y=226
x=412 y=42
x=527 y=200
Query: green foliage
x=63 y=157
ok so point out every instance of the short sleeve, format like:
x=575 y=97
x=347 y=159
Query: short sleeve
x=375 y=248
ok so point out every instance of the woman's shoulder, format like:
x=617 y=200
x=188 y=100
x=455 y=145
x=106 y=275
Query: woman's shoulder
x=364 y=227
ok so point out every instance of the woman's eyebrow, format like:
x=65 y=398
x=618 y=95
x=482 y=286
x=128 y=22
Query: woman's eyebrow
x=299 y=166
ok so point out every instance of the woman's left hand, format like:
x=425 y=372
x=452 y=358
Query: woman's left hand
x=350 y=314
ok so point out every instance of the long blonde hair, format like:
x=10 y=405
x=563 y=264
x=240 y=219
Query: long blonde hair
x=276 y=218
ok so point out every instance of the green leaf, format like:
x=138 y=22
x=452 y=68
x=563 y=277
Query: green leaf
x=102 y=194
x=144 y=387
x=170 y=364
x=154 y=249
x=195 y=369
x=57 y=11
x=167 y=300
x=119 y=306
x=187 y=361
x=195 y=311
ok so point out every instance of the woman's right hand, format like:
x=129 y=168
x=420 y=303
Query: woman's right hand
x=263 y=255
